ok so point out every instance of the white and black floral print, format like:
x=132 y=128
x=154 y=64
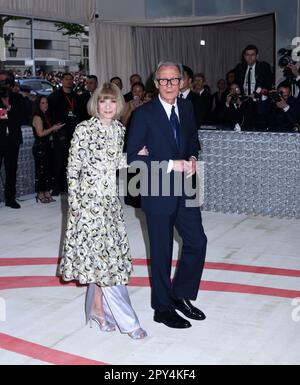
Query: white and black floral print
x=96 y=248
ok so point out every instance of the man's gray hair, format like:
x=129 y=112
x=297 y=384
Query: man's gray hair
x=169 y=64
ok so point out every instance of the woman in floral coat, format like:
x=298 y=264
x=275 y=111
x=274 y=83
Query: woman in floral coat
x=96 y=250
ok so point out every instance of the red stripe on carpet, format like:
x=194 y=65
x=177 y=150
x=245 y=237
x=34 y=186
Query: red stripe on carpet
x=31 y=282
x=28 y=261
x=42 y=353
x=145 y=262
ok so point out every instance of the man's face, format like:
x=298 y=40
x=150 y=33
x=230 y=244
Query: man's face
x=221 y=85
x=135 y=79
x=91 y=84
x=117 y=83
x=67 y=82
x=235 y=89
x=186 y=83
x=285 y=92
x=170 y=91
x=198 y=83
x=250 y=57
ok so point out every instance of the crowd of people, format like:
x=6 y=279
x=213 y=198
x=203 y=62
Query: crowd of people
x=243 y=101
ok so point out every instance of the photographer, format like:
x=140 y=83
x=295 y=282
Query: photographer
x=239 y=110
x=12 y=116
x=280 y=109
x=295 y=71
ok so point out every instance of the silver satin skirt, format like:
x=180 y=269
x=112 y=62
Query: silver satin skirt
x=116 y=305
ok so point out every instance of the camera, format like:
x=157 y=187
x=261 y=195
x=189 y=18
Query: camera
x=284 y=61
x=234 y=98
x=275 y=96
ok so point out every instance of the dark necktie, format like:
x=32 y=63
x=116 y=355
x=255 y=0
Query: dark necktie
x=181 y=96
x=249 y=81
x=175 y=126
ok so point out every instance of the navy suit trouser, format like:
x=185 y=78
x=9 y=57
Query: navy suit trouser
x=186 y=282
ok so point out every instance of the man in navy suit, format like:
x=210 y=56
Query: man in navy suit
x=166 y=127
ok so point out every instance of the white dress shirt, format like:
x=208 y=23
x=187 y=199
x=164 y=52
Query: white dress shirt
x=185 y=93
x=168 y=108
x=253 y=80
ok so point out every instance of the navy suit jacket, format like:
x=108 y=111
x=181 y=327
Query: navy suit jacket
x=151 y=127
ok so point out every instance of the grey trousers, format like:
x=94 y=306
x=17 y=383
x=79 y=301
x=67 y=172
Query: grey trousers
x=116 y=305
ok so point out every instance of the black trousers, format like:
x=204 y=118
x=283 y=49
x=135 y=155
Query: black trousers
x=43 y=157
x=10 y=155
x=188 y=223
x=60 y=162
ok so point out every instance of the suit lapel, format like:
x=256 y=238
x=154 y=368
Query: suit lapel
x=184 y=118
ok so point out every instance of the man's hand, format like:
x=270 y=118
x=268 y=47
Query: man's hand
x=294 y=69
x=144 y=152
x=282 y=104
x=188 y=167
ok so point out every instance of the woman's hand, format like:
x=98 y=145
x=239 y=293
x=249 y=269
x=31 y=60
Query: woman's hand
x=58 y=126
x=144 y=152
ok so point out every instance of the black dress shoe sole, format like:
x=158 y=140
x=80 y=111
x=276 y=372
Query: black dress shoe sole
x=172 y=326
x=192 y=316
x=16 y=207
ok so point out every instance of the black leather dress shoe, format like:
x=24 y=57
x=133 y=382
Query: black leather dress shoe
x=171 y=319
x=12 y=204
x=190 y=311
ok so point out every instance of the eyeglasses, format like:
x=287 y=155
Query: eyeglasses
x=165 y=82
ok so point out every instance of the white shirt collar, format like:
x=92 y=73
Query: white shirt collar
x=185 y=93
x=168 y=107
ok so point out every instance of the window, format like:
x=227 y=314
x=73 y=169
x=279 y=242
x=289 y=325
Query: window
x=158 y=9
x=217 y=7
x=42 y=44
x=85 y=58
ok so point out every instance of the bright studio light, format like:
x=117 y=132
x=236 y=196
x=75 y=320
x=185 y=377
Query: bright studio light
x=202 y=42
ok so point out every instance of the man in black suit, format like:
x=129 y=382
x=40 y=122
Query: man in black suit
x=12 y=116
x=91 y=86
x=166 y=127
x=251 y=74
x=187 y=93
x=204 y=104
x=64 y=107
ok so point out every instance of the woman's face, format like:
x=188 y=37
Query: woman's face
x=44 y=105
x=107 y=108
x=138 y=92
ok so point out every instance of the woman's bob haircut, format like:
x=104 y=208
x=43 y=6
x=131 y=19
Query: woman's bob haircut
x=104 y=92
